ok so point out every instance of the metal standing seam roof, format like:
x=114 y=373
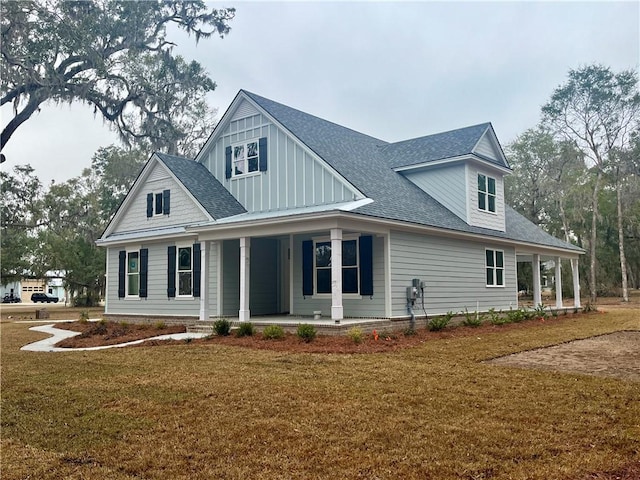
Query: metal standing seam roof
x=367 y=163
x=204 y=187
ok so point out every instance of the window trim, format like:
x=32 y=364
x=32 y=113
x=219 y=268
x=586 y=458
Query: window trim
x=244 y=144
x=127 y=274
x=178 y=247
x=494 y=268
x=345 y=238
x=486 y=194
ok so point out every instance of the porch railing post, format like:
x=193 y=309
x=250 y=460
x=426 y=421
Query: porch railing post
x=558 y=283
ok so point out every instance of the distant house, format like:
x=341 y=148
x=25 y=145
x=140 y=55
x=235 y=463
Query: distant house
x=282 y=213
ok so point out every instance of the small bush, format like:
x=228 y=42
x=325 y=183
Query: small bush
x=83 y=317
x=515 y=316
x=222 y=327
x=273 y=332
x=124 y=326
x=160 y=325
x=541 y=312
x=409 y=332
x=497 y=318
x=441 y=322
x=245 y=329
x=306 y=332
x=471 y=319
x=355 y=334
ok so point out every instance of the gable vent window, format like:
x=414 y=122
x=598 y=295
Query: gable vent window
x=247 y=157
x=158 y=203
x=486 y=193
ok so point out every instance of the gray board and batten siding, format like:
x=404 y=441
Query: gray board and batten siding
x=294 y=177
x=454 y=273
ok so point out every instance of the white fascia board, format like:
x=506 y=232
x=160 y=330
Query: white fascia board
x=221 y=125
x=153 y=235
x=140 y=180
x=460 y=158
x=184 y=188
x=493 y=138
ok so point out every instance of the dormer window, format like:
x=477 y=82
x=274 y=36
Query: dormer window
x=486 y=193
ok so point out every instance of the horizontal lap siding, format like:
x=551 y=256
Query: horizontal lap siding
x=477 y=217
x=157 y=302
x=446 y=185
x=353 y=307
x=454 y=272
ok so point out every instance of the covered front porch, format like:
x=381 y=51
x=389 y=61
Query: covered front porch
x=537 y=262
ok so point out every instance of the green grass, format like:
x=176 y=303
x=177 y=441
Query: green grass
x=207 y=411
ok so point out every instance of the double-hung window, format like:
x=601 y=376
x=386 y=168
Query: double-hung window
x=158 y=203
x=185 y=271
x=350 y=277
x=494 y=268
x=486 y=193
x=133 y=274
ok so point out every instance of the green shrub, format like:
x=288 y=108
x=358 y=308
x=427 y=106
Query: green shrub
x=471 y=319
x=273 y=332
x=245 y=329
x=160 y=325
x=541 y=312
x=497 y=318
x=355 y=334
x=441 y=322
x=306 y=332
x=515 y=316
x=222 y=327
x=83 y=317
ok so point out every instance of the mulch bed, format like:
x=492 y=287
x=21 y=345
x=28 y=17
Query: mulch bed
x=110 y=333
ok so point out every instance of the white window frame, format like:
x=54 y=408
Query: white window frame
x=178 y=247
x=486 y=194
x=244 y=144
x=346 y=238
x=128 y=274
x=494 y=268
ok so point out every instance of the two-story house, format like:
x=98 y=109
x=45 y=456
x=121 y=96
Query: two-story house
x=282 y=213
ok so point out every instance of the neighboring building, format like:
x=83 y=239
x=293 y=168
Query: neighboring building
x=12 y=289
x=285 y=213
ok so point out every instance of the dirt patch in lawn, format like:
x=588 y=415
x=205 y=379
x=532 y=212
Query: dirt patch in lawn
x=94 y=334
x=612 y=355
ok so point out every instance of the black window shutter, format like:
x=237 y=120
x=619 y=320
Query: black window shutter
x=144 y=268
x=227 y=162
x=262 y=148
x=166 y=201
x=197 y=267
x=366 y=265
x=171 y=271
x=122 y=265
x=307 y=267
x=150 y=205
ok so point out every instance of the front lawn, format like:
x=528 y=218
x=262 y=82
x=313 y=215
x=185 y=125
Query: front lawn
x=217 y=411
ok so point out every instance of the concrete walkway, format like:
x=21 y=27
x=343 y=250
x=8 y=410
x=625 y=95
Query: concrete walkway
x=47 y=345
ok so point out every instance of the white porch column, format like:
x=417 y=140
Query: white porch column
x=204 y=280
x=576 y=282
x=558 y=283
x=337 y=311
x=245 y=256
x=537 y=293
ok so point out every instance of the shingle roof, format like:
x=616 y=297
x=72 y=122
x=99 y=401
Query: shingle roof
x=366 y=162
x=204 y=187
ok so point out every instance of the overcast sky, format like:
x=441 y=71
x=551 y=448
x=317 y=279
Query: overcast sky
x=393 y=70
